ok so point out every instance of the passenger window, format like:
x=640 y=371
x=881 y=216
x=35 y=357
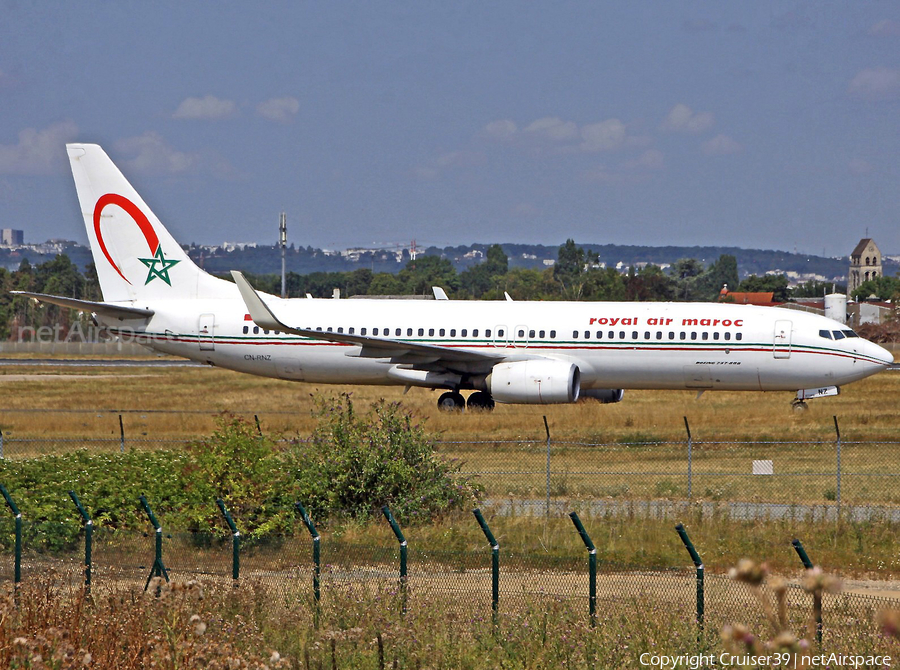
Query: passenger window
x=739 y=336
x=266 y=331
x=694 y=335
x=634 y=334
x=475 y=333
x=256 y=330
x=351 y=330
x=727 y=336
x=398 y=332
x=463 y=332
x=658 y=334
x=599 y=334
x=587 y=334
x=409 y=332
x=646 y=334
x=431 y=332
x=421 y=332
x=453 y=332
x=441 y=332
x=541 y=334
x=521 y=333
x=612 y=335
x=362 y=331
x=487 y=332
x=530 y=334
x=340 y=329
x=682 y=335
x=500 y=333
x=374 y=331
x=574 y=334
x=671 y=335
x=838 y=335
x=552 y=334
x=715 y=336
x=705 y=336
x=246 y=329
x=621 y=334
x=825 y=333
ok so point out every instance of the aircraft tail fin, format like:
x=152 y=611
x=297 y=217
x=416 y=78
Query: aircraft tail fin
x=135 y=256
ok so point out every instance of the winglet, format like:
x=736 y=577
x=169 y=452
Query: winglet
x=259 y=311
x=439 y=293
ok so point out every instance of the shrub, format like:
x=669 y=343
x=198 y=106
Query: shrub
x=355 y=463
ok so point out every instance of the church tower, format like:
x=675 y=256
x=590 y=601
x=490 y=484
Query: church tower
x=865 y=264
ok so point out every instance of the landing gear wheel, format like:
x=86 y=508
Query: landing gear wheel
x=480 y=401
x=451 y=401
x=799 y=406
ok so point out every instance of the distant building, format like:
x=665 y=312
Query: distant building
x=12 y=238
x=865 y=264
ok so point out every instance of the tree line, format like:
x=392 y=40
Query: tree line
x=576 y=275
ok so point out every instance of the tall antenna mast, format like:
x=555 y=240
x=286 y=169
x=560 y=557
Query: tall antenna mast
x=282 y=237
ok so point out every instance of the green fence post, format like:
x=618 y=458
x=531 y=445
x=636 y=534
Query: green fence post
x=158 y=569
x=317 y=564
x=403 y=548
x=592 y=566
x=495 y=563
x=817 y=594
x=1 y=444
x=690 y=455
x=88 y=540
x=15 y=510
x=235 y=543
x=698 y=563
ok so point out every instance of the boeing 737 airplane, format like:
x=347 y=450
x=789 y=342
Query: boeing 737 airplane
x=503 y=351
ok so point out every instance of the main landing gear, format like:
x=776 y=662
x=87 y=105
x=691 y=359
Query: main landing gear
x=452 y=401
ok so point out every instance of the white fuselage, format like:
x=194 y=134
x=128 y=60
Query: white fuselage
x=615 y=345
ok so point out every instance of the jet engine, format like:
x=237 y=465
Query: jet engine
x=538 y=382
x=604 y=396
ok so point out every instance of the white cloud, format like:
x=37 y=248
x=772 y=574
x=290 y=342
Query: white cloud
x=721 y=145
x=875 y=84
x=500 y=130
x=206 y=108
x=682 y=119
x=553 y=128
x=279 y=109
x=38 y=151
x=152 y=154
x=885 y=28
x=860 y=166
x=604 y=136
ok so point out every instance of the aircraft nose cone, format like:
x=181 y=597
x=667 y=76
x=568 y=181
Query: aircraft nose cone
x=879 y=353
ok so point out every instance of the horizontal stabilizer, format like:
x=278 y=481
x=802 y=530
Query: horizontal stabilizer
x=106 y=309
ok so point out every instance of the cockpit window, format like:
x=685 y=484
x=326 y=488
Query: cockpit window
x=849 y=333
x=839 y=335
x=825 y=333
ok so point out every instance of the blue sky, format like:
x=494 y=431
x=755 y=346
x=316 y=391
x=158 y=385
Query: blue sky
x=756 y=124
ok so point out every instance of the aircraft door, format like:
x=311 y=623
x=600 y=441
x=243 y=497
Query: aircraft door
x=206 y=328
x=520 y=336
x=500 y=336
x=781 y=346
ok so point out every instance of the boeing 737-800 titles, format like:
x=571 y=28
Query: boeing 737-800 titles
x=504 y=351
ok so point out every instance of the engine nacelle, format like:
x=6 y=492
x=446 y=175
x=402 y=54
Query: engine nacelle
x=604 y=396
x=535 y=382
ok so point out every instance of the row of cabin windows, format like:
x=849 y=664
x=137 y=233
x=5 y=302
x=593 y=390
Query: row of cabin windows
x=648 y=335
x=541 y=334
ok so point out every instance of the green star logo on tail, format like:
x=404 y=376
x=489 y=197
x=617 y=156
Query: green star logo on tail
x=158 y=260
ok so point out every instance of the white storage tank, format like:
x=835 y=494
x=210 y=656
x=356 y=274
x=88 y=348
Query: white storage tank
x=836 y=307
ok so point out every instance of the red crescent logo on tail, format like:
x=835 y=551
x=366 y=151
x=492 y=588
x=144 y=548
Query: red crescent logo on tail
x=135 y=213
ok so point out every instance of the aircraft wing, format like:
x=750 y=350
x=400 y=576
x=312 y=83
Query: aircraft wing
x=107 y=309
x=415 y=353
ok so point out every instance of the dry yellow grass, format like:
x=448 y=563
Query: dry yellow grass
x=866 y=410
